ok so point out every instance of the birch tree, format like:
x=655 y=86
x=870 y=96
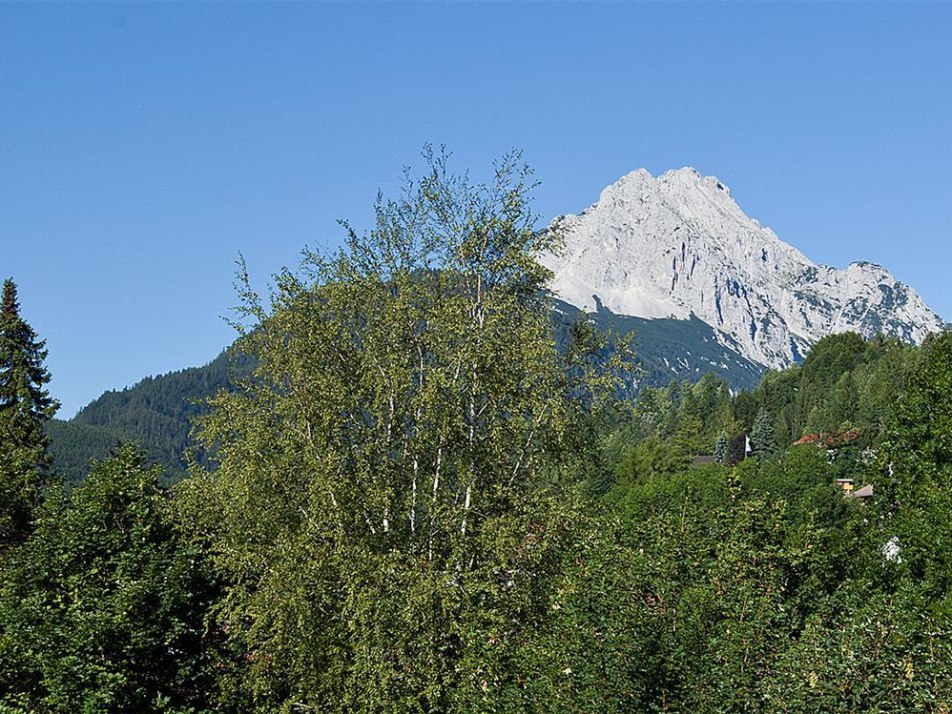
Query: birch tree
x=394 y=490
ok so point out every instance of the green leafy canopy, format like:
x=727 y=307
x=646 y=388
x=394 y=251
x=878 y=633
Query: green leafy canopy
x=392 y=490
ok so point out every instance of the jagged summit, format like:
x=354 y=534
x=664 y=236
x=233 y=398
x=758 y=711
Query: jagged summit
x=678 y=245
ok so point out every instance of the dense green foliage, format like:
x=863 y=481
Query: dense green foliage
x=841 y=396
x=392 y=494
x=844 y=383
x=103 y=607
x=419 y=502
x=73 y=447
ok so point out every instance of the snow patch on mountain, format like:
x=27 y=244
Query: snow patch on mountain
x=679 y=245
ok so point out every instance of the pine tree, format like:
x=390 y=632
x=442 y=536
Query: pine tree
x=25 y=405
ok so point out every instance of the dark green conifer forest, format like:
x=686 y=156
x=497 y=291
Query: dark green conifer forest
x=410 y=490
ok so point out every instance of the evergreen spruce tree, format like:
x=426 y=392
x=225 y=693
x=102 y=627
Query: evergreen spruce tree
x=25 y=405
x=763 y=437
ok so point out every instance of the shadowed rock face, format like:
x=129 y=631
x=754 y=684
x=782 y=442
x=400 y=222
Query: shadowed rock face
x=678 y=245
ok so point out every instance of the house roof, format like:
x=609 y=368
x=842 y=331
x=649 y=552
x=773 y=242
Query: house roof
x=829 y=439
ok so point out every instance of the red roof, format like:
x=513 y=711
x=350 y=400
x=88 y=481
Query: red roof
x=829 y=439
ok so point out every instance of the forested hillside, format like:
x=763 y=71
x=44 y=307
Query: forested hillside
x=420 y=504
x=841 y=397
x=667 y=350
x=157 y=413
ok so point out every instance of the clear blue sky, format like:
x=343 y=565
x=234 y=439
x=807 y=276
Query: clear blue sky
x=143 y=146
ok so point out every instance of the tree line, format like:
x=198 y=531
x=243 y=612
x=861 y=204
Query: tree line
x=418 y=502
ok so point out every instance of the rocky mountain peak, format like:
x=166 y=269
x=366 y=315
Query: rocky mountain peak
x=679 y=245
